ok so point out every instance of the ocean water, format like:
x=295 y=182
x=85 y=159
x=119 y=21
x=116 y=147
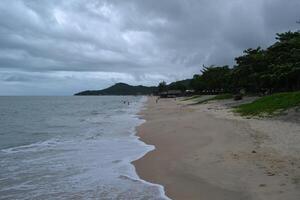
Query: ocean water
x=71 y=148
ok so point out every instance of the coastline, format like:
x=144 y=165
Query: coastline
x=202 y=152
x=135 y=176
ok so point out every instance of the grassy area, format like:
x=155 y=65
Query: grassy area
x=223 y=96
x=191 y=98
x=270 y=104
x=217 y=97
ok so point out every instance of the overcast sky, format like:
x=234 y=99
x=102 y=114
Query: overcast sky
x=57 y=47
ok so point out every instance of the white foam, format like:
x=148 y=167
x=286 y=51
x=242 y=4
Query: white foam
x=38 y=146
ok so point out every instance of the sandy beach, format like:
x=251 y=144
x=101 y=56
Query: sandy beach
x=206 y=152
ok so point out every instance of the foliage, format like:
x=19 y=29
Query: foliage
x=274 y=69
x=212 y=78
x=182 y=85
x=216 y=97
x=162 y=86
x=223 y=96
x=177 y=86
x=270 y=104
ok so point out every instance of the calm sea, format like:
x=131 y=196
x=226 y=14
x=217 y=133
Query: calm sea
x=71 y=148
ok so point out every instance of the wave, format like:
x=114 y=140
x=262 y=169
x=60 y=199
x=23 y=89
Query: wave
x=38 y=146
x=161 y=188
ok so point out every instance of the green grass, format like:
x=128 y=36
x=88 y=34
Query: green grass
x=191 y=98
x=217 y=97
x=270 y=105
x=223 y=96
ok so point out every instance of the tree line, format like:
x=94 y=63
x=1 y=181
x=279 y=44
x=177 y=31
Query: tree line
x=274 y=69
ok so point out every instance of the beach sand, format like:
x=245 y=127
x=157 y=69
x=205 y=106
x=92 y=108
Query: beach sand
x=206 y=152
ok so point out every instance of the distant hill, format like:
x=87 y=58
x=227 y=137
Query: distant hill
x=120 y=89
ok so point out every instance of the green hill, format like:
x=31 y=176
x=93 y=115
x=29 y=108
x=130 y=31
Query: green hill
x=120 y=89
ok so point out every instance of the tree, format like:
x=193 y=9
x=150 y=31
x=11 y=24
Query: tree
x=197 y=83
x=276 y=68
x=162 y=86
x=178 y=85
x=249 y=68
x=213 y=79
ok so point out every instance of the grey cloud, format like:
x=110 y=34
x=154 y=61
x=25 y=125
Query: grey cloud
x=146 y=41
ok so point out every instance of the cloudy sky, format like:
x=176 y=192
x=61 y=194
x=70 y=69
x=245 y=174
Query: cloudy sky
x=55 y=47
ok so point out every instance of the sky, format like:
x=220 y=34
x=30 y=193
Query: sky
x=55 y=47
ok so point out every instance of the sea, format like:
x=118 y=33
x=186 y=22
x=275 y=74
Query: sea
x=72 y=148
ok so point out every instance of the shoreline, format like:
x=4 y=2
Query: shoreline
x=149 y=147
x=203 y=153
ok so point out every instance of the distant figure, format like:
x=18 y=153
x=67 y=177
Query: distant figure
x=157 y=99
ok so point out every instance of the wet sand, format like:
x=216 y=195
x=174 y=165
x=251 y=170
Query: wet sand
x=205 y=152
